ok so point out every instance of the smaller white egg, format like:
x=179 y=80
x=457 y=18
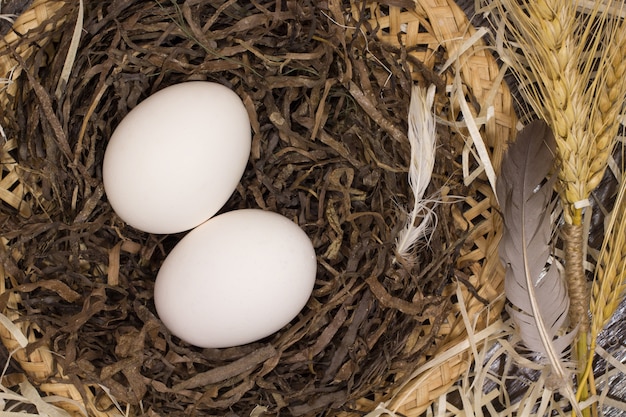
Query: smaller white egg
x=176 y=158
x=235 y=279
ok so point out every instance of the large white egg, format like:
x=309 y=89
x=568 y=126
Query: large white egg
x=235 y=279
x=177 y=157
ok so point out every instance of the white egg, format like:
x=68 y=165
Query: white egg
x=237 y=278
x=177 y=157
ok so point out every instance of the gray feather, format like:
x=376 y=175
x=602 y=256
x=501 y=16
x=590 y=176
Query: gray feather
x=526 y=201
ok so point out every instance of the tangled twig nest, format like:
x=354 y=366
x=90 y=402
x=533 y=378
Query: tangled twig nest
x=329 y=151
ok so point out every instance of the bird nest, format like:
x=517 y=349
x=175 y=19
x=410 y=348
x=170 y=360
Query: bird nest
x=327 y=87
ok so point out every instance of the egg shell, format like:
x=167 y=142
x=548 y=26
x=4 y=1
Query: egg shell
x=177 y=157
x=237 y=278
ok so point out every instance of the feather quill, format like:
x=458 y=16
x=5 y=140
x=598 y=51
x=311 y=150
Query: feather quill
x=422 y=138
x=536 y=291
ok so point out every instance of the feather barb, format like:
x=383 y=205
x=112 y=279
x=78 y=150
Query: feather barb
x=533 y=285
x=422 y=138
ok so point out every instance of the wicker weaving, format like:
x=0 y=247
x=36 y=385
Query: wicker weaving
x=328 y=88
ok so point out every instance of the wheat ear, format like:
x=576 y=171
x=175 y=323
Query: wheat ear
x=561 y=76
x=608 y=288
x=609 y=103
x=604 y=128
x=609 y=285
